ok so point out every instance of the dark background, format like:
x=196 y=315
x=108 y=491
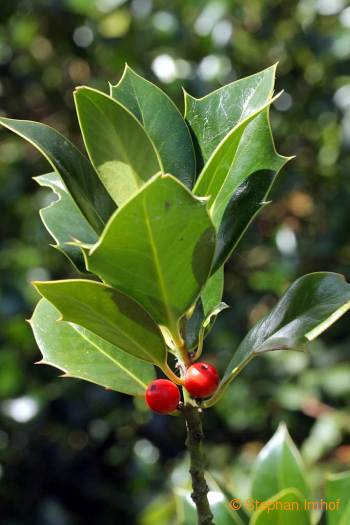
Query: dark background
x=72 y=453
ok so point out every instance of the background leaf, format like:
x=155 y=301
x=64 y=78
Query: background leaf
x=186 y=511
x=158 y=249
x=212 y=117
x=278 y=467
x=338 y=487
x=118 y=146
x=79 y=353
x=64 y=220
x=309 y=306
x=163 y=122
x=285 y=516
x=109 y=314
x=76 y=172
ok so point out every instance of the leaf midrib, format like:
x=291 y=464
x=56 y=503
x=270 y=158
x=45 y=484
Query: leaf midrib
x=97 y=315
x=158 y=267
x=118 y=140
x=126 y=370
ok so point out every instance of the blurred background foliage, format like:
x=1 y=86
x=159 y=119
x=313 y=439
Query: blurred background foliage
x=72 y=453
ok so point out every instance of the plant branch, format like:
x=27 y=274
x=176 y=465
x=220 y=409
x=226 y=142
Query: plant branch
x=197 y=463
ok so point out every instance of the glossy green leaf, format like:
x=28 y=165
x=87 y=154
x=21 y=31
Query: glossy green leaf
x=242 y=162
x=212 y=117
x=247 y=148
x=285 y=508
x=213 y=289
x=109 y=314
x=163 y=122
x=202 y=318
x=198 y=326
x=81 y=354
x=118 y=146
x=309 y=306
x=74 y=169
x=158 y=249
x=64 y=220
x=279 y=466
x=338 y=491
x=207 y=306
x=248 y=182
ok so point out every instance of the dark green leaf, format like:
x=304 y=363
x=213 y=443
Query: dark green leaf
x=213 y=289
x=163 y=122
x=118 y=146
x=158 y=249
x=309 y=306
x=338 y=488
x=197 y=327
x=205 y=311
x=212 y=117
x=246 y=149
x=245 y=190
x=75 y=170
x=64 y=220
x=279 y=466
x=79 y=353
x=109 y=314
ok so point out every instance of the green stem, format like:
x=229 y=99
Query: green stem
x=197 y=463
x=171 y=375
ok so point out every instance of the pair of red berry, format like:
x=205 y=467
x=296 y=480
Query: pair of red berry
x=201 y=380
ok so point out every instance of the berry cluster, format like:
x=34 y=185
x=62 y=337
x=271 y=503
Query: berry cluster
x=200 y=380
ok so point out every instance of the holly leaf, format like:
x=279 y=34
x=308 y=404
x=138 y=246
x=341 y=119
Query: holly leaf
x=244 y=191
x=117 y=145
x=286 y=507
x=75 y=170
x=310 y=305
x=279 y=466
x=212 y=117
x=82 y=354
x=213 y=289
x=162 y=121
x=234 y=137
x=246 y=149
x=201 y=319
x=158 y=249
x=198 y=326
x=338 y=489
x=109 y=314
x=64 y=221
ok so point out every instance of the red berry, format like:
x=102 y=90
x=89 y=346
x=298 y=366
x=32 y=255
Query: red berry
x=201 y=379
x=162 y=396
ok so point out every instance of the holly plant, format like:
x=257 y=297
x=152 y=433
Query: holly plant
x=149 y=220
